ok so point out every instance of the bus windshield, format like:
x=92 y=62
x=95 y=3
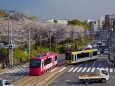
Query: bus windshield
x=35 y=63
x=68 y=56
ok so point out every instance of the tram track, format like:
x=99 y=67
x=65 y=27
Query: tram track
x=39 y=80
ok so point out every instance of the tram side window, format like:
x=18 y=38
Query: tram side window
x=55 y=58
x=75 y=57
x=72 y=57
x=86 y=54
x=47 y=61
x=94 y=53
x=82 y=55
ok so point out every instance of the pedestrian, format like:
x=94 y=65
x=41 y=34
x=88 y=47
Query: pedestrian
x=6 y=63
x=20 y=60
x=3 y=65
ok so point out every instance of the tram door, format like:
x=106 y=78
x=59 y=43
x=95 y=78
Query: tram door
x=42 y=66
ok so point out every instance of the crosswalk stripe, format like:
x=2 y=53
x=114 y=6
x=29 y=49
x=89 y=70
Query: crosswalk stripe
x=111 y=69
x=93 y=69
x=71 y=69
x=79 y=69
x=75 y=69
x=84 y=69
x=88 y=69
x=62 y=69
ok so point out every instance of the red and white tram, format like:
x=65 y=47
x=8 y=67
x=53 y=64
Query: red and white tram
x=40 y=64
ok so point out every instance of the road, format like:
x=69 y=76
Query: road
x=67 y=73
x=21 y=71
x=69 y=77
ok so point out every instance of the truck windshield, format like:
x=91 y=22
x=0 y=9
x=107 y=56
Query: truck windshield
x=104 y=72
x=35 y=63
x=68 y=56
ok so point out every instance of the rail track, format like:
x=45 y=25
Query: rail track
x=43 y=80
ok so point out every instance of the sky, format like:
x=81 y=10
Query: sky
x=61 y=9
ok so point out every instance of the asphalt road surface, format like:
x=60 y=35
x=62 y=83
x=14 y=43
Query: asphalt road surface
x=19 y=72
x=69 y=77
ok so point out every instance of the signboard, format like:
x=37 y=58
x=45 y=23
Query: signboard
x=25 y=50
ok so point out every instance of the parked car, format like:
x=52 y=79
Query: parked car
x=5 y=83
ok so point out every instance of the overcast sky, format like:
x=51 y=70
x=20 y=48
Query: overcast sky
x=61 y=9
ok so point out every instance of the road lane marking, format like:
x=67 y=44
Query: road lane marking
x=93 y=69
x=71 y=69
x=88 y=69
x=62 y=69
x=93 y=63
x=75 y=69
x=79 y=69
x=84 y=69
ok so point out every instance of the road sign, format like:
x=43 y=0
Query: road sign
x=25 y=50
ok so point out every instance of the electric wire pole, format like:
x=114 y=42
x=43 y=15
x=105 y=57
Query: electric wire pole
x=29 y=43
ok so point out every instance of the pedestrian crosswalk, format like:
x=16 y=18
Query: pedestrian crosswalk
x=17 y=70
x=88 y=69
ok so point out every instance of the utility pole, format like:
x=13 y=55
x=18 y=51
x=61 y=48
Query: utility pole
x=10 y=54
x=108 y=43
x=40 y=42
x=72 y=38
x=50 y=39
x=56 y=41
x=29 y=43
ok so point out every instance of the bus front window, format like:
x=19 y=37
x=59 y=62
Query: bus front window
x=35 y=63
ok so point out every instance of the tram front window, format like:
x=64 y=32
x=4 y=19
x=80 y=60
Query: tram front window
x=35 y=63
x=68 y=56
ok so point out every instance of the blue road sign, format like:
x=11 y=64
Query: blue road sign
x=25 y=50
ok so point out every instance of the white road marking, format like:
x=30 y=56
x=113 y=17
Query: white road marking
x=75 y=69
x=111 y=69
x=88 y=69
x=93 y=64
x=62 y=69
x=84 y=69
x=79 y=69
x=93 y=69
x=71 y=69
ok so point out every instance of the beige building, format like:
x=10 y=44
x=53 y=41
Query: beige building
x=101 y=22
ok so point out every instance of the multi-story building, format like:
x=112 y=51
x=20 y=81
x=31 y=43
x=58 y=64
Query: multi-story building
x=101 y=22
x=93 y=28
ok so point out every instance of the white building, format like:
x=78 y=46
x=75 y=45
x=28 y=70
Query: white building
x=62 y=21
x=50 y=20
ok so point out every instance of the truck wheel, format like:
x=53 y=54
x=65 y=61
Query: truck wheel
x=87 y=81
x=103 y=80
x=81 y=81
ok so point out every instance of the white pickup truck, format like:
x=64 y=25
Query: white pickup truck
x=101 y=75
x=5 y=83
